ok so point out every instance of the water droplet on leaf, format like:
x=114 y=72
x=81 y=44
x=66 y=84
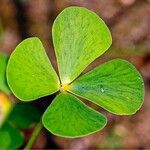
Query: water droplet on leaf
x=102 y=90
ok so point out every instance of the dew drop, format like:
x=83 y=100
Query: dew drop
x=102 y=90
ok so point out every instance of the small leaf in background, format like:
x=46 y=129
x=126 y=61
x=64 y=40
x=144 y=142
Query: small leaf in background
x=5 y=139
x=69 y=117
x=25 y=115
x=3 y=63
x=5 y=107
x=10 y=137
x=22 y=116
x=33 y=75
x=79 y=37
x=116 y=86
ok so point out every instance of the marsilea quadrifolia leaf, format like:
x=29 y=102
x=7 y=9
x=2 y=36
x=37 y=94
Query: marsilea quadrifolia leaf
x=79 y=37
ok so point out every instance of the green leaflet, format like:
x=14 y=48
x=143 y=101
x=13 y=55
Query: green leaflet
x=10 y=137
x=116 y=86
x=5 y=140
x=24 y=115
x=69 y=117
x=3 y=63
x=29 y=73
x=79 y=37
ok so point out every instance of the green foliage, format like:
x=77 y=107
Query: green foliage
x=116 y=86
x=20 y=117
x=33 y=75
x=79 y=37
x=69 y=117
x=23 y=115
x=10 y=137
x=3 y=63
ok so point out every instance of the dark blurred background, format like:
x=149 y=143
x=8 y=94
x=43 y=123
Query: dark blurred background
x=129 y=22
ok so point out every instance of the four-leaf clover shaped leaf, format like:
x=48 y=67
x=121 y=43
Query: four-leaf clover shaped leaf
x=79 y=37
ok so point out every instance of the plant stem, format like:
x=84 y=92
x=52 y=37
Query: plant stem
x=34 y=135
